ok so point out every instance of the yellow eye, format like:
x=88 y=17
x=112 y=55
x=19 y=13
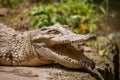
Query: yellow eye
x=53 y=32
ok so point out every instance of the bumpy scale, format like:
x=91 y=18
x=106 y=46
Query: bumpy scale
x=43 y=46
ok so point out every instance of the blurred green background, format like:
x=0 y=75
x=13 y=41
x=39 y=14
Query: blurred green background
x=83 y=16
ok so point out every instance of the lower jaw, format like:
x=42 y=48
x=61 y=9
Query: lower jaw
x=71 y=65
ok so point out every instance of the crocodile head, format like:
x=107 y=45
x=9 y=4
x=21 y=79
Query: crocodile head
x=54 y=43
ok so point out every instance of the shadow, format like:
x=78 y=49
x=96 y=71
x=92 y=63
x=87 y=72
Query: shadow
x=93 y=74
x=107 y=74
x=82 y=70
x=116 y=61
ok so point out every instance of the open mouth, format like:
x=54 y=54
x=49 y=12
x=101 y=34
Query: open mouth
x=60 y=50
x=70 y=56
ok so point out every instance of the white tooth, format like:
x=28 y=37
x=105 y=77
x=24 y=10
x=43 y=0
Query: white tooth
x=74 y=61
x=59 y=55
x=69 y=59
x=65 y=57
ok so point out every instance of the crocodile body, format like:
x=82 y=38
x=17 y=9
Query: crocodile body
x=43 y=46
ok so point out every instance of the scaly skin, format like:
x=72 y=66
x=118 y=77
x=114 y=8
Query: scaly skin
x=43 y=46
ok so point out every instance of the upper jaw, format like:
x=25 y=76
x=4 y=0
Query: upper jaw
x=66 y=39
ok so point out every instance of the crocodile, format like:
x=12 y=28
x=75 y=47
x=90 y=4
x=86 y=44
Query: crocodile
x=49 y=44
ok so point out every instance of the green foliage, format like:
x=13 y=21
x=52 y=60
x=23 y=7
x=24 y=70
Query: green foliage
x=80 y=15
x=105 y=53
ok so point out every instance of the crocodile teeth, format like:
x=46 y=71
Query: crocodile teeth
x=88 y=63
x=65 y=58
x=70 y=60
x=72 y=41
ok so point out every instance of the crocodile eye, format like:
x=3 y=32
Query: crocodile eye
x=53 y=32
x=43 y=29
